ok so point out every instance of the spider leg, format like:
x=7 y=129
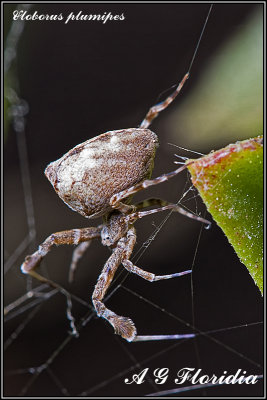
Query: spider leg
x=73 y=236
x=149 y=276
x=140 y=272
x=165 y=205
x=123 y=326
x=115 y=200
x=76 y=256
x=155 y=110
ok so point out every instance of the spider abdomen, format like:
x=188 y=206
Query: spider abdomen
x=87 y=176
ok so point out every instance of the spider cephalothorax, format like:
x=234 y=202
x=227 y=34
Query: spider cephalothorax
x=115 y=228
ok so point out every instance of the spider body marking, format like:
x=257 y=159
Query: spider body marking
x=88 y=176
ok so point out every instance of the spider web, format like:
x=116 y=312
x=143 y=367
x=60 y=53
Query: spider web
x=42 y=355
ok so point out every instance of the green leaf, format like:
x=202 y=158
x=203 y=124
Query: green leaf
x=230 y=182
x=228 y=97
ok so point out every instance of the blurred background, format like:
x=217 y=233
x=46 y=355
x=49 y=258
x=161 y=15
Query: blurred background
x=84 y=78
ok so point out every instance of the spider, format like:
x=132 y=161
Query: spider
x=98 y=178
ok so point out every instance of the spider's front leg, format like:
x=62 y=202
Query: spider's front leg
x=123 y=326
x=73 y=236
x=116 y=199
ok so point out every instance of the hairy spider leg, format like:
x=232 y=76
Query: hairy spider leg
x=156 y=109
x=165 y=205
x=149 y=276
x=73 y=236
x=116 y=199
x=123 y=326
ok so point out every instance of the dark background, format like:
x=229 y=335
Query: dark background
x=80 y=80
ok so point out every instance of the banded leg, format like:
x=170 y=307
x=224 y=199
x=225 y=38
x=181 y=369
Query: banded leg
x=123 y=326
x=155 y=110
x=73 y=236
x=165 y=205
x=149 y=276
x=116 y=199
